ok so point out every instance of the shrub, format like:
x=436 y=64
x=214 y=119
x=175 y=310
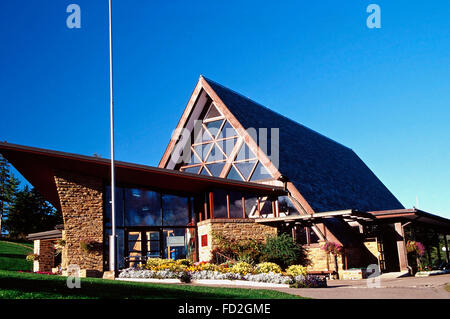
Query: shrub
x=267 y=267
x=234 y=249
x=155 y=262
x=89 y=245
x=31 y=257
x=242 y=268
x=184 y=262
x=296 y=270
x=283 y=251
x=309 y=281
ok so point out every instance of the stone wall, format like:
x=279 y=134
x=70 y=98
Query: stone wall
x=230 y=228
x=45 y=249
x=81 y=199
x=321 y=261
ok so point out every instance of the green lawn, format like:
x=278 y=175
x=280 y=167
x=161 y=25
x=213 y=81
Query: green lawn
x=18 y=285
x=12 y=256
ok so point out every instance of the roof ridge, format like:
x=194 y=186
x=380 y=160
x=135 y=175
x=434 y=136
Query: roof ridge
x=279 y=114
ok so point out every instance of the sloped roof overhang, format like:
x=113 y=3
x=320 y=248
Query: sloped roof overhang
x=38 y=166
x=412 y=215
x=347 y=215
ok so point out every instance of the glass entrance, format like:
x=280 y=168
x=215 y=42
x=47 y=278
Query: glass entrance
x=158 y=242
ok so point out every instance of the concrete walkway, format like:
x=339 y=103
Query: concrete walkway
x=432 y=287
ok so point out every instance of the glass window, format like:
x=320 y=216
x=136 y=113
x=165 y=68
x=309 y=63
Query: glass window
x=214 y=127
x=203 y=150
x=233 y=174
x=195 y=159
x=245 y=153
x=203 y=136
x=212 y=112
x=227 y=145
x=260 y=173
x=216 y=168
x=227 y=130
x=143 y=207
x=235 y=204
x=193 y=169
x=204 y=172
x=220 y=204
x=251 y=203
x=175 y=210
x=119 y=207
x=245 y=168
x=286 y=206
x=216 y=154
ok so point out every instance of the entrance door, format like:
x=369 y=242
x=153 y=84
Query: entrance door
x=141 y=245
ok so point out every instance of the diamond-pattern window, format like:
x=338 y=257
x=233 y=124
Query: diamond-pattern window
x=227 y=131
x=204 y=172
x=260 y=172
x=216 y=154
x=245 y=168
x=245 y=153
x=202 y=150
x=227 y=145
x=193 y=169
x=233 y=174
x=216 y=168
x=214 y=127
x=203 y=136
x=212 y=112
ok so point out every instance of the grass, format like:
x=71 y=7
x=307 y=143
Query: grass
x=447 y=287
x=12 y=256
x=16 y=285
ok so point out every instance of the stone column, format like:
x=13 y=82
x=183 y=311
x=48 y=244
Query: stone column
x=81 y=199
x=401 y=248
x=45 y=250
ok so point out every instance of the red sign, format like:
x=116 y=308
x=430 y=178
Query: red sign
x=204 y=240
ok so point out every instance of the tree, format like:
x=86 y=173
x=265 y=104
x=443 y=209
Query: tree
x=8 y=187
x=30 y=213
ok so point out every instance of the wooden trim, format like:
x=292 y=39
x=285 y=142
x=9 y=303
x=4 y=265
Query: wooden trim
x=277 y=207
x=205 y=207
x=258 y=205
x=228 y=206
x=240 y=129
x=211 y=205
x=181 y=123
x=243 y=207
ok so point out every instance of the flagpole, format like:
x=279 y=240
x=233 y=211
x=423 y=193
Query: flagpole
x=112 y=242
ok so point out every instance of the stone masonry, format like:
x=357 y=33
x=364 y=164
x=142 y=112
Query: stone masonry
x=230 y=228
x=45 y=249
x=81 y=200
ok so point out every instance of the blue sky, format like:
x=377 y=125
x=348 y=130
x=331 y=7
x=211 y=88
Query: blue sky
x=385 y=92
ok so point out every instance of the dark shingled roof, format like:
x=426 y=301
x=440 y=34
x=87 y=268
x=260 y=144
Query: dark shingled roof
x=329 y=175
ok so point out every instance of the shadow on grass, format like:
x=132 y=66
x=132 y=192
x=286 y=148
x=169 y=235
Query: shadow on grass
x=18 y=256
x=43 y=285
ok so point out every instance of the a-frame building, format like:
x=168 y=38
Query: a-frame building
x=225 y=134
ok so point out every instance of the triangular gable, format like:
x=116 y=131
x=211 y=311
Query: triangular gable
x=254 y=166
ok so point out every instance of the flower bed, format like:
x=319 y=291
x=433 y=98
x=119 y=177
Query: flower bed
x=241 y=271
